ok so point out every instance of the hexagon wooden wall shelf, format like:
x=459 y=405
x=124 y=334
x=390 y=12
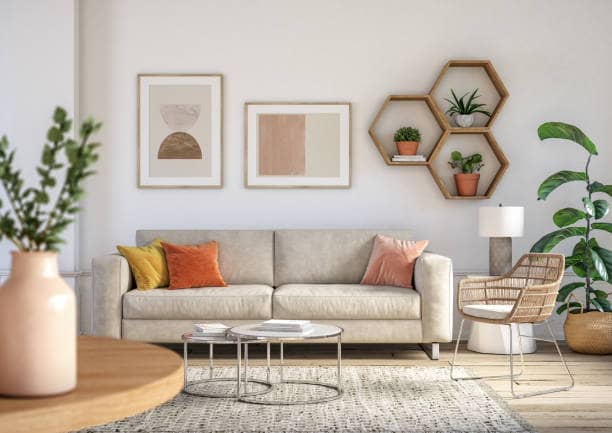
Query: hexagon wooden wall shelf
x=439 y=118
x=501 y=158
x=487 y=66
x=447 y=129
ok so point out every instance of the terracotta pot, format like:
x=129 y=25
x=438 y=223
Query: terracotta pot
x=407 y=147
x=37 y=328
x=467 y=183
x=589 y=333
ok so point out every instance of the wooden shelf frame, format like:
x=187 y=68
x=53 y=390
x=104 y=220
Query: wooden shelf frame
x=448 y=129
x=435 y=112
x=493 y=77
x=503 y=166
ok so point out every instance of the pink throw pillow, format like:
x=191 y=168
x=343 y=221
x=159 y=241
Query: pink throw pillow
x=392 y=262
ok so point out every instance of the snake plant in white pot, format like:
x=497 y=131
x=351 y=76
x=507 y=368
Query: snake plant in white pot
x=37 y=307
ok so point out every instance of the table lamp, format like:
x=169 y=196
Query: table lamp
x=500 y=224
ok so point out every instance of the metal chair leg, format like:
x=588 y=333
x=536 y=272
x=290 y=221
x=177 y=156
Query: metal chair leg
x=548 y=390
x=453 y=362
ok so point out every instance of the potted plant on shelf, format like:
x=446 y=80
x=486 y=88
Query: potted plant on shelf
x=407 y=140
x=37 y=308
x=588 y=323
x=467 y=180
x=463 y=111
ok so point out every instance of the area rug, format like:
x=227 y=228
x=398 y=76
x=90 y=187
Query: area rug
x=375 y=399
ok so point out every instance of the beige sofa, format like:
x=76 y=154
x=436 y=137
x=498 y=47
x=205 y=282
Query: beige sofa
x=282 y=274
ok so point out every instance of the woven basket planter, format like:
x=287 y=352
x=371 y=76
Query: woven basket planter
x=589 y=333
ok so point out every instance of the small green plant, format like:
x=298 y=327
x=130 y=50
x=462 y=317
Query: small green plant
x=407 y=134
x=459 y=106
x=589 y=261
x=467 y=164
x=30 y=223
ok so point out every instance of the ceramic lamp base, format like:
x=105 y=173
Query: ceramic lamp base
x=500 y=256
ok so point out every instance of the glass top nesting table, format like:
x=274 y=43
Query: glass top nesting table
x=190 y=387
x=247 y=333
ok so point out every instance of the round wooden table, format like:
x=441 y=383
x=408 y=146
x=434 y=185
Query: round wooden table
x=116 y=379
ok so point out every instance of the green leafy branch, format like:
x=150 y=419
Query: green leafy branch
x=588 y=260
x=30 y=224
x=467 y=164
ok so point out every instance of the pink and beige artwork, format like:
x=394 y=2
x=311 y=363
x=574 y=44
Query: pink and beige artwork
x=180 y=144
x=298 y=145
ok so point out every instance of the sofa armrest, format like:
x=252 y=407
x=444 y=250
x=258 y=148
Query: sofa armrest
x=433 y=279
x=111 y=278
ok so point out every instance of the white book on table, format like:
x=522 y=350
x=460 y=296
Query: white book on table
x=210 y=327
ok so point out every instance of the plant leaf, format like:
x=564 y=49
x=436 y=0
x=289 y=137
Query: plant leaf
x=563 y=307
x=600 y=187
x=599 y=264
x=602 y=226
x=549 y=241
x=567 y=132
x=555 y=180
x=567 y=289
x=606 y=257
x=601 y=208
x=588 y=206
x=567 y=216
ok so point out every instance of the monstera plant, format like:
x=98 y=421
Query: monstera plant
x=587 y=322
x=589 y=261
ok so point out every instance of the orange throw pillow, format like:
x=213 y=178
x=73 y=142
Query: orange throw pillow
x=392 y=262
x=193 y=265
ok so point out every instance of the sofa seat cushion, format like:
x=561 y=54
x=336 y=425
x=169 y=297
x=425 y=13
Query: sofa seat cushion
x=345 y=301
x=238 y=302
x=495 y=312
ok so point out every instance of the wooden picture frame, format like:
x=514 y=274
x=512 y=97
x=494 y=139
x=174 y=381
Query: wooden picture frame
x=180 y=130
x=297 y=145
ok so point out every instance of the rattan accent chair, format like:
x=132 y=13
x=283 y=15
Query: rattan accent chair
x=527 y=294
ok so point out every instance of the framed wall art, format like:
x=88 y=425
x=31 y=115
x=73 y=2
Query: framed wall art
x=180 y=131
x=298 y=145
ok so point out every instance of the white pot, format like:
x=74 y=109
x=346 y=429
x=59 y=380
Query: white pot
x=464 y=120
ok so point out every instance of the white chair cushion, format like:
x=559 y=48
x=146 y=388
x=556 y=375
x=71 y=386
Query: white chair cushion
x=495 y=312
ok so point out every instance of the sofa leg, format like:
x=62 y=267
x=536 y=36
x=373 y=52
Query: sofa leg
x=432 y=350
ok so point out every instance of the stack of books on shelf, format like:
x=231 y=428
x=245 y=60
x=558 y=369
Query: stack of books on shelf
x=301 y=327
x=207 y=331
x=408 y=158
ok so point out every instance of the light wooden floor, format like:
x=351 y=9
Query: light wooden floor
x=586 y=408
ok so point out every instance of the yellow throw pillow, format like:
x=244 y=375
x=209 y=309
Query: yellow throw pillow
x=148 y=264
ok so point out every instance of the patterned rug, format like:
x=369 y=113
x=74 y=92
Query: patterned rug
x=375 y=399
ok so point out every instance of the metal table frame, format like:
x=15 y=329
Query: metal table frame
x=248 y=397
x=186 y=384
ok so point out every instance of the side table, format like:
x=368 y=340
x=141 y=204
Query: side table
x=495 y=339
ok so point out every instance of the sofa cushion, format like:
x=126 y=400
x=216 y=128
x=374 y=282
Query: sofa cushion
x=324 y=256
x=345 y=301
x=245 y=256
x=495 y=312
x=239 y=302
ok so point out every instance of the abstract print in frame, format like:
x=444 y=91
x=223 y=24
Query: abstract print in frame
x=180 y=131
x=298 y=145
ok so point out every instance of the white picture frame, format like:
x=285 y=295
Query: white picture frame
x=191 y=102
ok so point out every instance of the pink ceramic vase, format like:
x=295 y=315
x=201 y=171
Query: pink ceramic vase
x=37 y=328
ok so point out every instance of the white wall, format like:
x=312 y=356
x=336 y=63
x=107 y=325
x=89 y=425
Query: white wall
x=38 y=72
x=552 y=55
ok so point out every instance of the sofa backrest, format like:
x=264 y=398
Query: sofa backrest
x=324 y=256
x=245 y=256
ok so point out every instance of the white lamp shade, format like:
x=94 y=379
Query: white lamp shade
x=500 y=221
